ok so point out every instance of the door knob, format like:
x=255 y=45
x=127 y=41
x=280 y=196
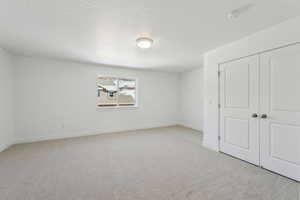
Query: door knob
x=254 y=115
x=264 y=116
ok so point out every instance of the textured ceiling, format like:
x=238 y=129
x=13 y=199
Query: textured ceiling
x=104 y=31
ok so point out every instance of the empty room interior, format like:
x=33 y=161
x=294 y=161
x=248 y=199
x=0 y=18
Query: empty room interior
x=149 y=100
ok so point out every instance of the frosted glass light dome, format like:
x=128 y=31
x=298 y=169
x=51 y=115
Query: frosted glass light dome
x=144 y=43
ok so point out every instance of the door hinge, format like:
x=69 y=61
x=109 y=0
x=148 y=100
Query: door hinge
x=219 y=138
x=219 y=74
x=219 y=105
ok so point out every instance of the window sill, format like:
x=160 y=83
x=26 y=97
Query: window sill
x=117 y=108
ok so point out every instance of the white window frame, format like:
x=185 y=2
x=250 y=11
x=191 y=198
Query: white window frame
x=121 y=107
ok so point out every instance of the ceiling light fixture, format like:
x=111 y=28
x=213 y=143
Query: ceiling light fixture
x=144 y=42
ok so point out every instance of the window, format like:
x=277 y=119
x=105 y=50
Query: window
x=116 y=92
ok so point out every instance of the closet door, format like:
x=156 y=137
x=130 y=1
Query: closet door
x=239 y=122
x=280 y=111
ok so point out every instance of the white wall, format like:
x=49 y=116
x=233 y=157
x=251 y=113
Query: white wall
x=191 y=99
x=6 y=100
x=57 y=99
x=274 y=37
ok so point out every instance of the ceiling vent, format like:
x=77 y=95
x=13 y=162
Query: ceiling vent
x=239 y=11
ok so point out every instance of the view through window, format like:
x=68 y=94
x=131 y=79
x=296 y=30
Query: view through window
x=114 y=91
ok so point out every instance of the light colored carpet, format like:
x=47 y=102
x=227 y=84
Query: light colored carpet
x=155 y=164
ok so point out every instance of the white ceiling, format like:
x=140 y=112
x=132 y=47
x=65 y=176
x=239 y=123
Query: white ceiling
x=104 y=31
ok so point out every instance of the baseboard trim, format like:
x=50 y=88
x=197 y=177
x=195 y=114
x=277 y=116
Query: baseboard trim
x=82 y=134
x=186 y=126
x=209 y=146
x=4 y=147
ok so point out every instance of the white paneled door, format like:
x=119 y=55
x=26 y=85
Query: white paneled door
x=280 y=111
x=239 y=101
x=260 y=110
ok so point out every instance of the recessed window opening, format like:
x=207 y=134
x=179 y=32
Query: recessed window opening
x=116 y=92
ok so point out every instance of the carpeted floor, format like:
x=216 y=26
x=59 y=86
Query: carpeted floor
x=155 y=164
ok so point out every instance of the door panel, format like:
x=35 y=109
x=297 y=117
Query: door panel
x=233 y=75
x=239 y=100
x=237 y=132
x=285 y=146
x=280 y=100
x=284 y=77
